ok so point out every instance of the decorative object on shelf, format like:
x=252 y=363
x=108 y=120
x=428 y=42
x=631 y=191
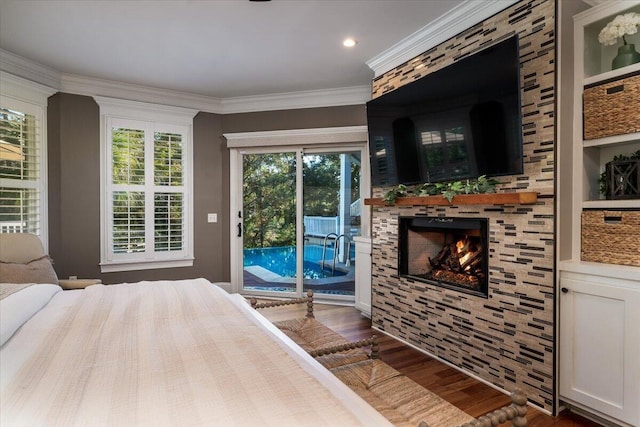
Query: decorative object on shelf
x=611 y=108
x=480 y=185
x=621 y=26
x=392 y=195
x=611 y=237
x=515 y=198
x=621 y=178
x=449 y=190
x=627 y=55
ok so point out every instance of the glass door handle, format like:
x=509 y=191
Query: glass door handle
x=239 y=229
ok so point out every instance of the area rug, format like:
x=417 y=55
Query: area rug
x=400 y=399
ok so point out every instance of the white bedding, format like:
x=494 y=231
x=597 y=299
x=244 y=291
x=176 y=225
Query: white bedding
x=165 y=353
x=20 y=306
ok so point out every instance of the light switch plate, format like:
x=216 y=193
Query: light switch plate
x=212 y=217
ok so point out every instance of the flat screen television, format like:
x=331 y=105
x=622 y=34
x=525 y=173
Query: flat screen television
x=460 y=122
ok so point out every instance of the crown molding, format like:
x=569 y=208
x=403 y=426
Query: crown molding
x=25 y=90
x=353 y=95
x=145 y=111
x=28 y=69
x=600 y=9
x=280 y=101
x=89 y=86
x=594 y=2
x=458 y=19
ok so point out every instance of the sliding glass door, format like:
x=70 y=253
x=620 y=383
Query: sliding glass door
x=331 y=218
x=269 y=246
x=299 y=213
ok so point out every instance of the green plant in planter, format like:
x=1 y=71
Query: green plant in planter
x=485 y=185
x=453 y=188
x=450 y=189
x=429 y=189
x=392 y=195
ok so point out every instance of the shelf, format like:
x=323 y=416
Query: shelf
x=626 y=272
x=592 y=66
x=611 y=75
x=612 y=140
x=611 y=204
x=523 y=198
x=595 y=58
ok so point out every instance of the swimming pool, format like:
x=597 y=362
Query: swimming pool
x=282 y=261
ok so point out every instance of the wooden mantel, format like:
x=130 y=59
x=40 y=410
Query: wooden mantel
x=522 y=198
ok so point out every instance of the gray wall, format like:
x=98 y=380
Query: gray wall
x=309 y=118
x=74 y=184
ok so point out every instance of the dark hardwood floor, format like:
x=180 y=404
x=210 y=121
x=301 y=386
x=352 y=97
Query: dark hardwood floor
x=466 y=393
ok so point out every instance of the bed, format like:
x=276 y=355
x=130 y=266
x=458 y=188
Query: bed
x=158 y=353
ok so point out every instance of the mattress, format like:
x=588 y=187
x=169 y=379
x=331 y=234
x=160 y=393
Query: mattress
x=159 y=353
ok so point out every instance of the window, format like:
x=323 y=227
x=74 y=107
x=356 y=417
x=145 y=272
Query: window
x=23 y=193
x=338 y=152
x=444 y=149
x=147 y=201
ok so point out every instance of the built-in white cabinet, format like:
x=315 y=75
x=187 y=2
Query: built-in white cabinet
x=363 y=275
x=599 y=304
x=600 y=345
x=592 y=66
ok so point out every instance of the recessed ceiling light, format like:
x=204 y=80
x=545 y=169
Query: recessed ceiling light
x=349 y=42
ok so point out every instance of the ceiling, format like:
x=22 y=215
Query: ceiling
x=216 y=48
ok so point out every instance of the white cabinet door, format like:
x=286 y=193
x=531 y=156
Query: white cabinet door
x=600 y=348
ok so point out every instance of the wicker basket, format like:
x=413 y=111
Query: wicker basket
x=612 y=108
x=611 y=237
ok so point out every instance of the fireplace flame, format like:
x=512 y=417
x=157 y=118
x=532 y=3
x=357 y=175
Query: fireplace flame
x=462 y=244
x=460 y=262
x=464 y=258
x=463 y=247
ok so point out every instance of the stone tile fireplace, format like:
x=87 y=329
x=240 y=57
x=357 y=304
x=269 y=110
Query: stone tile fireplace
x=445 y=251
x=508 y=338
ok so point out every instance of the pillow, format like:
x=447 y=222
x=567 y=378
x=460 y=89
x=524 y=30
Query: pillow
x=17 y=308
x=38 y=270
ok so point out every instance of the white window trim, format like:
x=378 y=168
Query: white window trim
x=154 y=114
x=32 y=98
x=346 y=138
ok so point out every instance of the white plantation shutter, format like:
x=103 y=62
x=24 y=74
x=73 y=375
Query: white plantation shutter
x=21 y=180
x=168 y=200
x=129 y=234
x=168 y=222
x=148 y=221
x=127 y=147
x=168 y=161
x=128 y=190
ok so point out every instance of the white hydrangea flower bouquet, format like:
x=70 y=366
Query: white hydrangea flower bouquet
x=622 y=25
